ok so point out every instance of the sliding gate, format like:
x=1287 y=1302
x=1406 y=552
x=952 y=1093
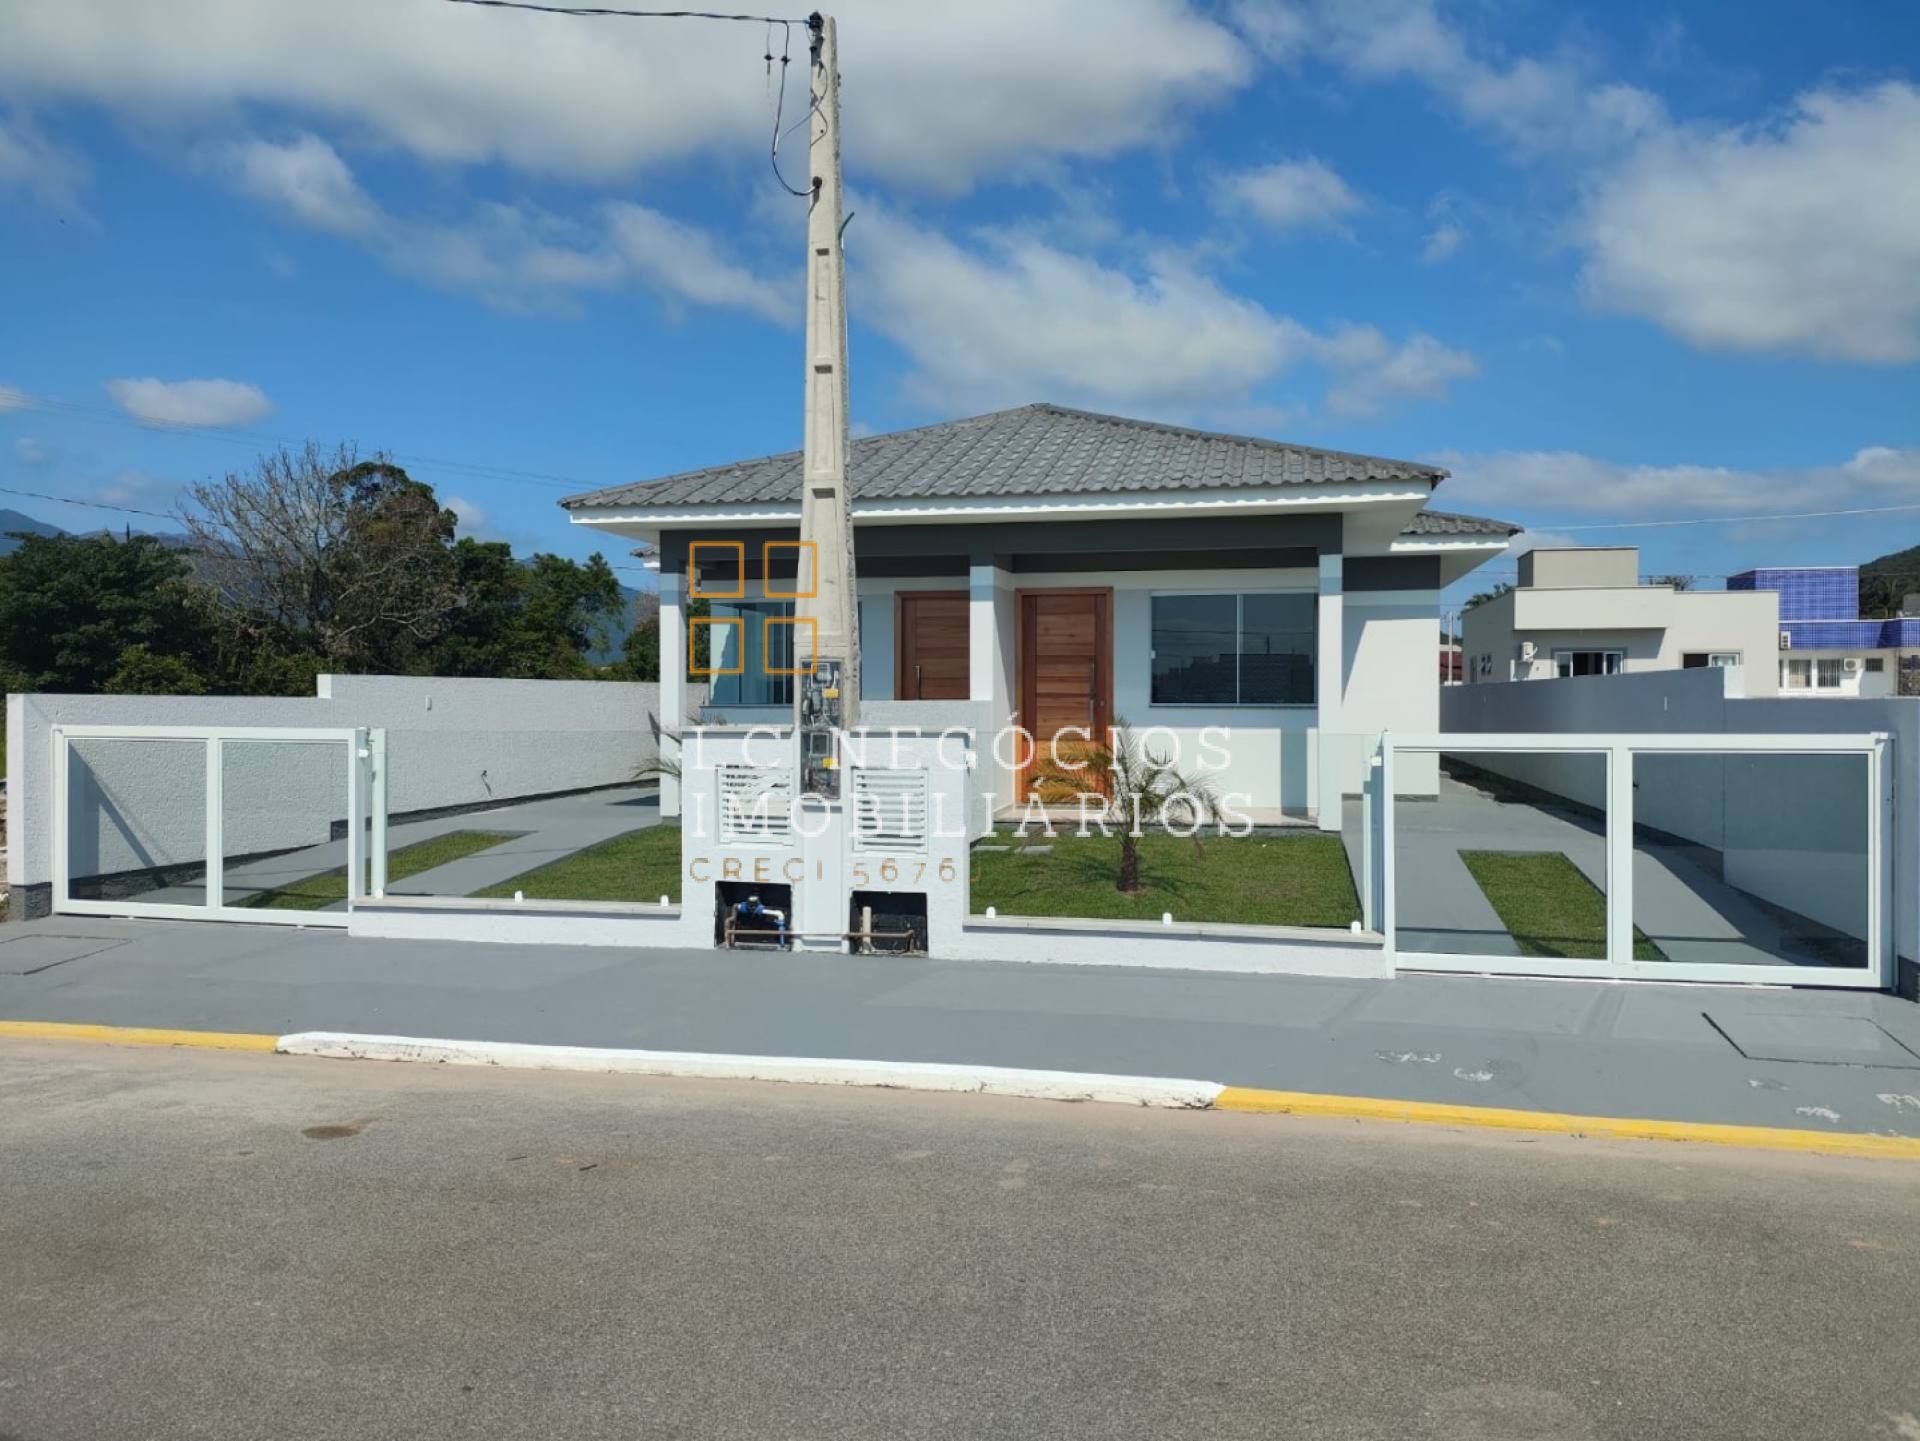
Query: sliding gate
x=266 y=824
x=1747 y=858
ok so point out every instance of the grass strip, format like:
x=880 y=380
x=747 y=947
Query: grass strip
x=1262 y=880
x=1548 y=905
x=640 y=865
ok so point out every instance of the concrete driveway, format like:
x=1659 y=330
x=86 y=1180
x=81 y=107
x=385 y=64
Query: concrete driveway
x=544 y=830
x=1680 y=903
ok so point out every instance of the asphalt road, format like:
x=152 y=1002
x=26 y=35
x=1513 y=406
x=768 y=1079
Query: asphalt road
x=237 y=1246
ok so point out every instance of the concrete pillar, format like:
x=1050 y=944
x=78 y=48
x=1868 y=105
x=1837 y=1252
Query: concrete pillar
x=990 y=650
x=1330 y=684
x=673 y=677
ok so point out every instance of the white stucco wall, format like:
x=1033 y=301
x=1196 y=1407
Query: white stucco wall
x=1654 y=627
x=450 y=743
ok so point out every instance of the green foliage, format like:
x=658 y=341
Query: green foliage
x=312 y=561
x=1486 y=595
x=72 y=606
x=530 y=621
x=1889 y=579
x=322 y=553
x=143 y=671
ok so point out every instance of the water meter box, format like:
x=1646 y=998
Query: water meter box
x=751 y=916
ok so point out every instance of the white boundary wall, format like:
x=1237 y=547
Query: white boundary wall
x=1696 y=702
x=450 y=743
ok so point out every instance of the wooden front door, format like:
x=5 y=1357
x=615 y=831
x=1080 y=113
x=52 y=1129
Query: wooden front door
x=1066 y=670
x=930 y=651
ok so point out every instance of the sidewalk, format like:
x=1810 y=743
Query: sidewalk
x=1631 y=1050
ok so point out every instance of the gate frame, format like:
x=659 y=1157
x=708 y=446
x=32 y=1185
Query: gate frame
x=1618 y=750
x=361 y=747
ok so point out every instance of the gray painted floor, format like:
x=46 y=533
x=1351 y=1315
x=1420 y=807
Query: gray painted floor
x=1623 y=1049
x=1690 y=913
x=547 y=830
x=231 y=1247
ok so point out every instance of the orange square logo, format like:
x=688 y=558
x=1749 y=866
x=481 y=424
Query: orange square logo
x=806 y=570
x=737 y=549
x=813 y=635
x=733 y=622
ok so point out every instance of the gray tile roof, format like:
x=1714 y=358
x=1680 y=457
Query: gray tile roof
x=1447 y=523
x=1035 y=450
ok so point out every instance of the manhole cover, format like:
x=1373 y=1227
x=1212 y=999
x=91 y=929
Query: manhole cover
x=29 y=955
x=1820 y=1040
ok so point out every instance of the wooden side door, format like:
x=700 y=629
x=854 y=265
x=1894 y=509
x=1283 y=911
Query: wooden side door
x=930 y=646
x=1066 y=671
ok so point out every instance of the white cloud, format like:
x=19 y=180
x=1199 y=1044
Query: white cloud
x=1570 y=482
x=29 y=451
x=682 y=261
x=471 y=517
x=13 y=398
x=307 y=178
x=1017 y=319
x=1531 y=106
x=190 y=403
x=1443 y=243
x=1291 y=194
x=1377 y=371
x=933 y=97
x=513 y=256
x=52 y=174
x=1802 y=235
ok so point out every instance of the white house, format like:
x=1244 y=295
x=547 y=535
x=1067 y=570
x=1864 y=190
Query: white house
x=1583 y=611
x=1056 y=569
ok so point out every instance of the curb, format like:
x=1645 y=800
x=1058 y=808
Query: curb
x=898 y=1075
x=1438 y=1113
x=937 y=1076
x=138 y=1036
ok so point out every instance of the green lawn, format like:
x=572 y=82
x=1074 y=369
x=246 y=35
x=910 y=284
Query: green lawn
x=316 y=893
x=638 y=866
x=1265 y=880
x=1549 y=905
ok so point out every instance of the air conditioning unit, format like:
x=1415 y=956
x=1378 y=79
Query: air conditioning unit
x=1851 y=665
x=1526 y=650
x=1786 y=640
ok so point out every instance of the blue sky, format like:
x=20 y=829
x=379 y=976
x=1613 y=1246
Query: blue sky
x=1610 y=263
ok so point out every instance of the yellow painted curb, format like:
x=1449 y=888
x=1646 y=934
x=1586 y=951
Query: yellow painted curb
x=1370 y=1108
x=137 y=1036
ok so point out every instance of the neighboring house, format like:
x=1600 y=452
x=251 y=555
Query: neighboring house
x=1055 y=569
x=1582 y=611
x=1825 y=648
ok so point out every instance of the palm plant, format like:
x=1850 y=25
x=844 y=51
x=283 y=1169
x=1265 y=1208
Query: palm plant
x=1133 y=788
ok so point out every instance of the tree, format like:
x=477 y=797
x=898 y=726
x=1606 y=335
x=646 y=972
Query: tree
x=1486 y=595
x=322 y=553
x=72 y=606
x=1132 y=788
x=143 y=671
x=1678 y=582
x=534 y=620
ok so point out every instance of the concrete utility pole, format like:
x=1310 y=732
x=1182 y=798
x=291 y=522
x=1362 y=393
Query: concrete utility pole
x=828 y=701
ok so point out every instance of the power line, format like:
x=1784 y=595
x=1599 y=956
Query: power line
x=91 y=504
x=1729 y=519
x=786 y=24
x=607 y=10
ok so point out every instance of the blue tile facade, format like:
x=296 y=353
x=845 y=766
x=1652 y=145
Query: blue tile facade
x=1820 y=609
x=1810 y=593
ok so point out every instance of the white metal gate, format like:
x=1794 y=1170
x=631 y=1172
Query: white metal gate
x=1738 y=858
x=260 y=824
